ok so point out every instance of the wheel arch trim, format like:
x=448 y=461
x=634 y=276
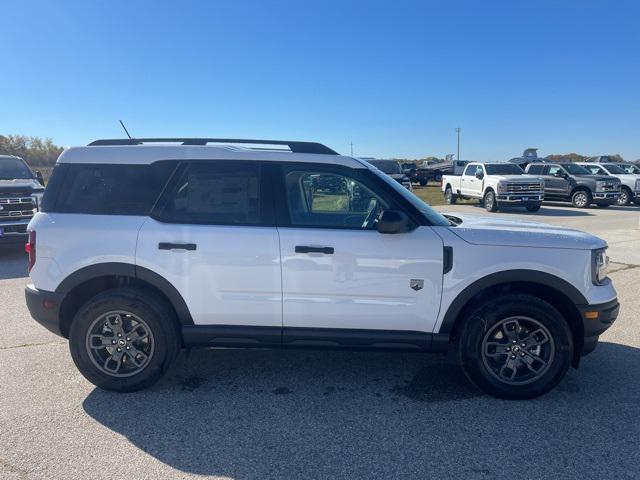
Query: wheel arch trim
x=504 y=278
x=143 y=274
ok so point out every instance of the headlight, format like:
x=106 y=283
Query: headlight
x=38 y=199
x=600 y=185
x=502 y=187
x=638 y=185
x=599 y=266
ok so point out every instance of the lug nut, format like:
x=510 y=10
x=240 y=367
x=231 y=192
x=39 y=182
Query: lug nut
x=513 y=357
x=128 y=348
x=119 y=349
x=128 y=339
x=522 y=354
x=514 y=342
x=119 y=335
x=113 y=341
x=522 y=345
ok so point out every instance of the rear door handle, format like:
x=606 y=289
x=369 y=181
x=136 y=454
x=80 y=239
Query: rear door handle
x=176 y=246
x=306 y=249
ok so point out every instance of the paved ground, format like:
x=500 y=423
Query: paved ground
x=271 y=414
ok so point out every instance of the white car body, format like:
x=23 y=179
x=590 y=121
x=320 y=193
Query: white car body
x=280 y=285
x=509 y=189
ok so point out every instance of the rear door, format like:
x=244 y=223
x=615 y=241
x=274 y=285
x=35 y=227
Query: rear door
x=338 y=272
x=213 y=237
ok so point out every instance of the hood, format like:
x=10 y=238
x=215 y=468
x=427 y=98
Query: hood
x=20 y=185
x=518 y=178
x=598 y=178
x=482 y=230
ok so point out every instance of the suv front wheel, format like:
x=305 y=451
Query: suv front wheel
x=515 y=346
x=123 y=339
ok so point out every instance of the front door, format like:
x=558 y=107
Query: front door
x=339 y=273
x=214 y=239
x=556 y=184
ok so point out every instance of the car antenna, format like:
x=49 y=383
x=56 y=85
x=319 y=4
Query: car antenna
x=125 y=130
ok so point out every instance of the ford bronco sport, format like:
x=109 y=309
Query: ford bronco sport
x=142 y=249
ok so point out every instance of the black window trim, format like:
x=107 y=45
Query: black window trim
x=265 y=195
x=363 y=175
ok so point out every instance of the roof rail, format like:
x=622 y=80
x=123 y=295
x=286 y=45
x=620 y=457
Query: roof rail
x=296 y=147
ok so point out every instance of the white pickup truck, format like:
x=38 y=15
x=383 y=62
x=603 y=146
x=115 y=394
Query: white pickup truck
x=495 y=185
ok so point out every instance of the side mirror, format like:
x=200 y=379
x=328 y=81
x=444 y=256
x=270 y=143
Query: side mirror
x=39 y=178
x=559 y=174
x=393 y=221
x=479 y=175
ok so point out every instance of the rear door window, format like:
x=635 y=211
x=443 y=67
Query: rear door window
x=218 y=193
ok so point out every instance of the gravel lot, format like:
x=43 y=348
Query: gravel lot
x=273 y=414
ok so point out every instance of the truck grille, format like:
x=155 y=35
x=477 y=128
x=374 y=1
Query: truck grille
x=515 y=188
x=16 y=208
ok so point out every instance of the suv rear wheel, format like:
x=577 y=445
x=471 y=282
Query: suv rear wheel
x=515 y=346
x=123 y=340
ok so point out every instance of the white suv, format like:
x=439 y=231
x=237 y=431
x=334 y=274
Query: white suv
x=143 y=249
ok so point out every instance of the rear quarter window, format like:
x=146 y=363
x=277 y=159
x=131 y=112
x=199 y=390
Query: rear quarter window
x=101 y=189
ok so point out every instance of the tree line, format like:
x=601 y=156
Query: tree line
x=36 y=151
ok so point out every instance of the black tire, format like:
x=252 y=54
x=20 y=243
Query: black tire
x=533 y=208
x=449 y=197
x=581 y=198
x=626 y=197
x=162 y=342
x=423 y=183
x=491 y=315
x=489 y=201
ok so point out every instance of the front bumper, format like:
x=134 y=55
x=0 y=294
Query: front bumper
x=12 y=233
x=512 y=200
x=612 y=196
x=44 y=307
x=596 y=319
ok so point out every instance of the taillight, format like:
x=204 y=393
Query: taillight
x=30 y=248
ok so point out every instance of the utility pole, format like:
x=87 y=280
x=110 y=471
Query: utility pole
x=458 y=132
x=351 y=145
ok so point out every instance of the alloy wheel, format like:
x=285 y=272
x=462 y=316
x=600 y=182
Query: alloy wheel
x=580 y=199
x=518 y=350
x=120 y=343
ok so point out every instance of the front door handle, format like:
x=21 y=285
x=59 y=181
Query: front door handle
x=306 y=249
x=176 y=246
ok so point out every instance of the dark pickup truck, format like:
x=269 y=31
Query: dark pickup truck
x=20 y=195
x=568 y=182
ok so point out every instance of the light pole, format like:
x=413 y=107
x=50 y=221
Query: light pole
x=458 y=132
x=351 y=145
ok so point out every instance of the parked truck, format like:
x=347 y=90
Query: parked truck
x=495 y=185
x=20 y=194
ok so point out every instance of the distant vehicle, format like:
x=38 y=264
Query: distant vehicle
x=411 y=171
x=604 y=159
x=569 y=182
x=630 y=167
x=529 y=155
x=496 y=185
x=435 y=171
x=394 y=170
x=630 y=188
x=21 y=193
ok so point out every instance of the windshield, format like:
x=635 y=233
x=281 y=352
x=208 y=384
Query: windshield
x=434 y=217
x=629 y=168
x=503 y=169
x=390 y=167
x=14 y=168
x=575 y=169
x=614 y=169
